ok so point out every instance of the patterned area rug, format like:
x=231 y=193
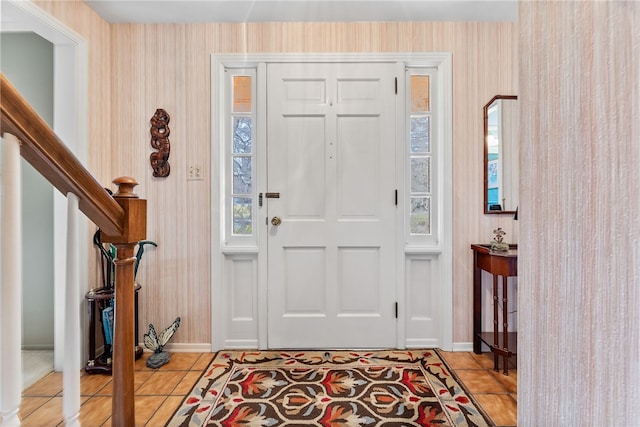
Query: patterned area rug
x=327 y=388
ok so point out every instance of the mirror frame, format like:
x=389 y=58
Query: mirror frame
x=486 y=156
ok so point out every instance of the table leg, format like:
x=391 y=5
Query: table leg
x=477 y=307
x=505 y=326
x=495 y=322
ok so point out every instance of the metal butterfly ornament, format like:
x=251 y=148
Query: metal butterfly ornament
x=156 y=343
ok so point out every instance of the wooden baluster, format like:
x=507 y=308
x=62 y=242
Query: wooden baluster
x=123 y=403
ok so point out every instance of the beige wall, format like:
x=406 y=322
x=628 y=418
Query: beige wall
x=97 y=33
x=168 y=66
x=579 y=324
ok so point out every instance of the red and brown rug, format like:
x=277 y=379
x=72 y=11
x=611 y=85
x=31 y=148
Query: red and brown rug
x=328 y=388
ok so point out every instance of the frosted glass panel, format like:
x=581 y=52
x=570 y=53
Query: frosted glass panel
x=242 y=207
x=420 y=215
x=420 y=173
x=420 y=136
x=242 y=175
x=242 y=131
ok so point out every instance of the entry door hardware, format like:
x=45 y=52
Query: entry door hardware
x=272 y=195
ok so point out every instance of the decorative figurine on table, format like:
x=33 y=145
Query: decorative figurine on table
x=157 y=342
x=498 y=244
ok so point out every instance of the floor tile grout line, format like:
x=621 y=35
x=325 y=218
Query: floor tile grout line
x=40 y=406
x=157 y=409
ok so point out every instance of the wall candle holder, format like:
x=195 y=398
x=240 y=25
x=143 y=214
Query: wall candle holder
x=160 y=141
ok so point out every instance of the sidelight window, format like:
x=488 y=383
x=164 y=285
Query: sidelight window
x=420 y=160
x=241 y=153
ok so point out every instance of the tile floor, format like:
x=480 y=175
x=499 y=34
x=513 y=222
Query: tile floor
x=495 y=392
x=159 y=392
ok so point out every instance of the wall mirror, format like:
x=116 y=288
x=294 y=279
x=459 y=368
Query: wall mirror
x=501 y=154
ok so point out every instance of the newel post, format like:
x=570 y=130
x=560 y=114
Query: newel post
x=135 y=229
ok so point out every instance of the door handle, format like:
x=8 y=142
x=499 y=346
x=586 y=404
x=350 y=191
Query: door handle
x=276 y=221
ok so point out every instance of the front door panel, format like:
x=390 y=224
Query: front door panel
x=331 y=156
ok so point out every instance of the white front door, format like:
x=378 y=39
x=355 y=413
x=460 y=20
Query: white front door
x=331 y=205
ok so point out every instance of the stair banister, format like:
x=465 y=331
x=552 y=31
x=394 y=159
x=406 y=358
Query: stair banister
x=121 y=218
x=52 y=159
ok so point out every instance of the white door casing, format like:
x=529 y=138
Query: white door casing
x=331 y=159
x=70 y=123
x=239 y=270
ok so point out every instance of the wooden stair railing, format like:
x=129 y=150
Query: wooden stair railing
x=122 y=219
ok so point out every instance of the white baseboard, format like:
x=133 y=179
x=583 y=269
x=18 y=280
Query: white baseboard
x=38 y=347
x=241 y=344
x=421 y=343
x=468 y=346
x=206 y=347
x=463 y=346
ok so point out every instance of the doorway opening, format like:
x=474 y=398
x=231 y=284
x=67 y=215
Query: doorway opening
x=70 y=59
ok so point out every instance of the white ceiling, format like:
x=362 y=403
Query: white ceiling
x=186 y=11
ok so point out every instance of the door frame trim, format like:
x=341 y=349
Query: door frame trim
x=70 y=117
x=440 y=60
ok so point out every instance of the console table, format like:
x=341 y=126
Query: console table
x=500 y=265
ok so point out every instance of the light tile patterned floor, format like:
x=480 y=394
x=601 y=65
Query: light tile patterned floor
x=495 y=392
x=160 y=391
